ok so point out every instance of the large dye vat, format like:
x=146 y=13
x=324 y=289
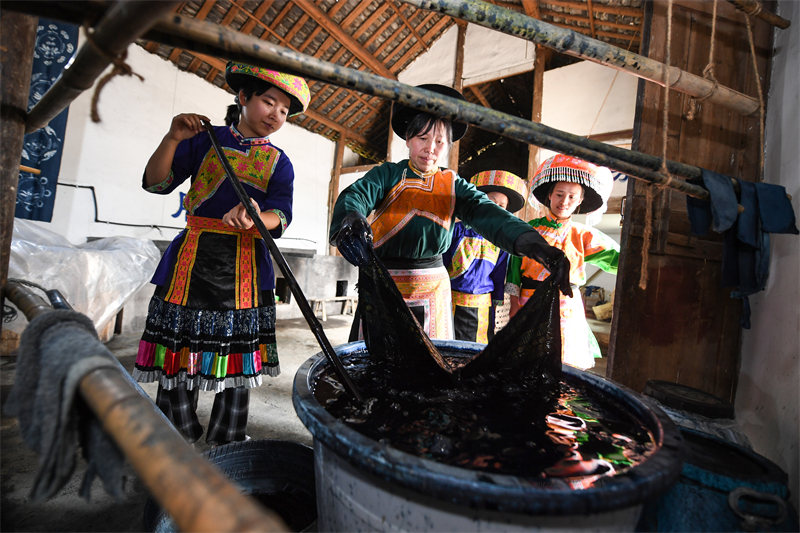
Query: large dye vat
x=363 y=484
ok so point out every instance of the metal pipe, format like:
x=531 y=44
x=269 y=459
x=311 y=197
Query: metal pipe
x=190 y=34
x=122 y=24
x=195 y=493
x=576 y=44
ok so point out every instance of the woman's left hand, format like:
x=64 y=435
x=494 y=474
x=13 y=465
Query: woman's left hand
x=238 y=217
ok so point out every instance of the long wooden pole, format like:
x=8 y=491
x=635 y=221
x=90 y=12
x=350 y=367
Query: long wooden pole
x=122 y=24
x=190 y=34
x=578 y=45
x=17 y=36
x=195 y=493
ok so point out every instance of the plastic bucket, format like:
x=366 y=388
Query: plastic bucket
x=278 y=474
x=363 y=484
x=723 y=487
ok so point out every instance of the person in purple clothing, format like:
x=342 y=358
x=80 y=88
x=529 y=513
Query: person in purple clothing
x=477 y=267
x=211 y=321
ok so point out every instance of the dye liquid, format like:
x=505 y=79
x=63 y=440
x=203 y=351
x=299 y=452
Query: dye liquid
x=483 y=425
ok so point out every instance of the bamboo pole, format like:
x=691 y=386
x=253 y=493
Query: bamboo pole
x=576 y=44
x=754 y=8
x=190 y=34
x=122 y=24
x=195 y=493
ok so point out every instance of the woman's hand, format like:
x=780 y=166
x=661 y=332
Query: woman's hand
x=238 y=217
x=186 y=126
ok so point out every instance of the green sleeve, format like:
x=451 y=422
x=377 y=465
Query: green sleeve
x=514 y=272
x=606 y=256
x=363 y=195
x=607 y=260
x=487 y=218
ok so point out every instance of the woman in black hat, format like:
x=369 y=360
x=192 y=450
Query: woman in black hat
x=413 y=204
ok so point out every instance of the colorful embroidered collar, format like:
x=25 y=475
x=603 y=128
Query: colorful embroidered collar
x=248 y=141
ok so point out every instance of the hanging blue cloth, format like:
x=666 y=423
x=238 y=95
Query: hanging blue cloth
x=42 y=149
x=745 y=255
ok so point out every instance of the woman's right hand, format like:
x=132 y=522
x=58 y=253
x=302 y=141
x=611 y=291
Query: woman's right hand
x=186 y=126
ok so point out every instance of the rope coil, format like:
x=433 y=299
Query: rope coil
x=121 y=68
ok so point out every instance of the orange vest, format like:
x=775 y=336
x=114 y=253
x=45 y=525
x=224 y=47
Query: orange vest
x=432 y=197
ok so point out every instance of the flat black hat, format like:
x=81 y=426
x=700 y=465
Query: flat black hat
x=402 y=115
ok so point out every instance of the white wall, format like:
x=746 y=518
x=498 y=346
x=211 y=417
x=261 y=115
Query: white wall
x=135 y=115
x=605 y=98
x=767 y=398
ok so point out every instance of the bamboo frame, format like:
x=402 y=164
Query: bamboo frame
x=754 y=8
x=187 y=33
x=576 y=44
x=180 y=479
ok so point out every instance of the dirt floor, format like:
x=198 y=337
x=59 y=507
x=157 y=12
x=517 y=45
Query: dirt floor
x=272 y=416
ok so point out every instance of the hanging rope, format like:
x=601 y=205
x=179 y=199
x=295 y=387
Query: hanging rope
x=648 y=222
x=709 y=72
x=760 y=176
x=120 y=68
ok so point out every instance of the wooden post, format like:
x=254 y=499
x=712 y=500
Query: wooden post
x=536 y=116
x=333 y=188
x=458 y=82
x=17 y=37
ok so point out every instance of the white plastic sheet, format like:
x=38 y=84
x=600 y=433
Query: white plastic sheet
x=96 y=278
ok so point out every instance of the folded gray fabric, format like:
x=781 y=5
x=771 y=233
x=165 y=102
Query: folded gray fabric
x=56 y=351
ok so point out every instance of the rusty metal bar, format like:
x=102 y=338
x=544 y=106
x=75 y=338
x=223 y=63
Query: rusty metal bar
x=190 y=34
x=122 y=24
x=576 y=44
x=195 y=493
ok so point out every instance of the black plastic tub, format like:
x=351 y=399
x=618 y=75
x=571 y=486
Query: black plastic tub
x=363 y=484
x=278 y=474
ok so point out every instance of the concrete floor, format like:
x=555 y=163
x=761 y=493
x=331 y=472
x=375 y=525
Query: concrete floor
x=271 y=416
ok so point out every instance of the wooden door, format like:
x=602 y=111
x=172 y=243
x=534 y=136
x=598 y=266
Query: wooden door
x=685 y=327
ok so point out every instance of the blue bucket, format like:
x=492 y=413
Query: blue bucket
x=722 y=487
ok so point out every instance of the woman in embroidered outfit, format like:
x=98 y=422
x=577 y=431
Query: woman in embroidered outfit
x=477 y=268
x=413 y=205
x=211 y=321
x=567 y=185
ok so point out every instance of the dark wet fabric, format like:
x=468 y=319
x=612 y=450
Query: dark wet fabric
x=527 y=349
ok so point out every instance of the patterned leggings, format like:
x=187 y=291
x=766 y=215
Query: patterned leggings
x=228 y=420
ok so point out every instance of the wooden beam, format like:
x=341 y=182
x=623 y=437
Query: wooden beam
x=412 y=29
x=591 y=18
x=603 y=8
x=351 y=44
x=480 y=96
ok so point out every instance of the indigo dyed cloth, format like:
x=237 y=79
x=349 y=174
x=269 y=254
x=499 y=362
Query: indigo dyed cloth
x=745 y=256
x=42 y=149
